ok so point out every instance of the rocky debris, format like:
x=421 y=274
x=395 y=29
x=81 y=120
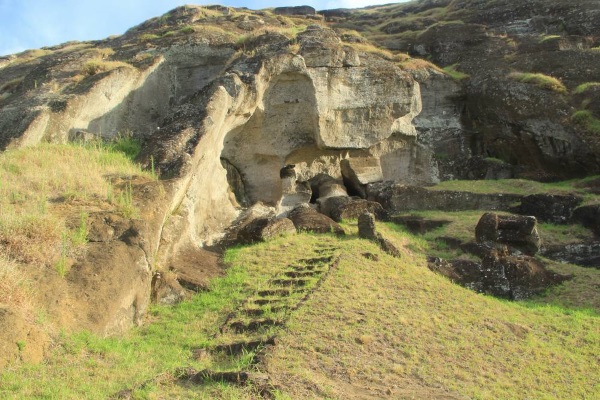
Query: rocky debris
x=256 y=211
x=308 y=219
x=367 y=230
x=166 y=290
x=343 y=208
x=324 y=186
x=584 y=254
x=194 y=268
x=396 y=198
x=557 y=209
x=499 y=274
x=358 y=172
x=263 y=229
x=298 y=10
x=588 y=216
x=419 y=225
x=107 y=226
x=516 y=231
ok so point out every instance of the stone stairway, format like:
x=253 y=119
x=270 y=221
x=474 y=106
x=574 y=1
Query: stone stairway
x=253 y=327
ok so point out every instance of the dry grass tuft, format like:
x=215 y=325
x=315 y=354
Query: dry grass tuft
x=40 y=185
x=15 y=290
x=540 y=80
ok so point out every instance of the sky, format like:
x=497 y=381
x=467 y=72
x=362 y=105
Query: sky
x=31 y=24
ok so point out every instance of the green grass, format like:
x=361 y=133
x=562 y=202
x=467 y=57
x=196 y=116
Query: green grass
x=540 y=80
x=547 y=38
x=587 y=120
x=389 y=324
x=519 y=187
x=42 y=187
x=396 y=327
x=454 y=74
x=584 y=87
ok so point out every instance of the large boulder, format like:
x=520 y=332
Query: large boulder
x=584 y=254
x=519 y=232
x=552 y=208
x=263 y=229
x=588 y=216
x=308 y=219
x=343 y=207
x=499 y=274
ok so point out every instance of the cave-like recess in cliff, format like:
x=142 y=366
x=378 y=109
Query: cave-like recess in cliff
x=285 y=120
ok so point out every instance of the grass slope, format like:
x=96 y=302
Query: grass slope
x=375 y=329
x=40 y=188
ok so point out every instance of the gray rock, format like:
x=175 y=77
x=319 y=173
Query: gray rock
x=343 y=208
x=367 y=230
x=553 y=208
x=499 y=274
x=519 y=232
x=306 y=218
x=395 y=197
x=263 y=229
x=366 y=226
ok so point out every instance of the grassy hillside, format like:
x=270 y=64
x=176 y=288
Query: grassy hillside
x=377 y=327
x=46 y=193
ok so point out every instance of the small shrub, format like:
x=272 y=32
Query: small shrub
x=146 y=37
x=547 y=38
x=587 y=120
x=94 y=67
x=540 y=80
x=584 y=87
x=418 y=64
x=187 y=29
x=454 y=74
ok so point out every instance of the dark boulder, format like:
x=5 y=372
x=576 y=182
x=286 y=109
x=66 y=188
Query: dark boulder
x=308 y=219
x=396 y=197
x=516 y=231
x=588 y=216
x=367 y=230
x=525 y=275
x=343 y=207
x=552 y=208
x=499 y=274
x=263 y=229
x=583 y=254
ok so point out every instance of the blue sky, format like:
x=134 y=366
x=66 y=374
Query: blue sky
x=28 y=24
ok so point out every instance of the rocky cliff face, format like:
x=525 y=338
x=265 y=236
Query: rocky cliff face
x=527 y=75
